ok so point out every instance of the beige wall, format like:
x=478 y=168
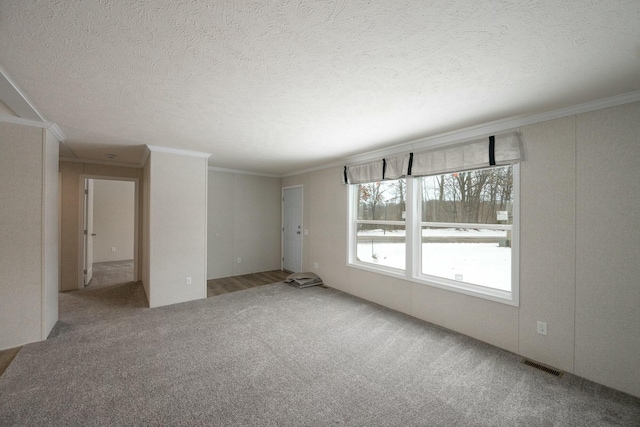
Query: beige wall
x=51 y=229
x=113 y=220
x=71 y=221
x=177 y=238
x=145 y=246
x=607 y=327
x=579 y=252
x=28 y=234
x=243 y=222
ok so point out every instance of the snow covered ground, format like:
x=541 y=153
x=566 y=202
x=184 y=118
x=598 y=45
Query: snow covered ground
x=485 y=264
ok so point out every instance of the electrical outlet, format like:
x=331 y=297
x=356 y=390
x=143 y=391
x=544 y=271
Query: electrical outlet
x=315 y=265
x=113 y=249
x=188 y=280
x=542 y=328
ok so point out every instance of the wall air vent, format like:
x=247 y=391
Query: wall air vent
x=547 y=369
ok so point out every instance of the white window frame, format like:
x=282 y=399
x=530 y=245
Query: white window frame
x=413 y=229
x=352 y=240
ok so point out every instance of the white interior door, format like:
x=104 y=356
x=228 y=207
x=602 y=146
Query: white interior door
x=88 y=231
x=292 y=229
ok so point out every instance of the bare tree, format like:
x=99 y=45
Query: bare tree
x=371 y=195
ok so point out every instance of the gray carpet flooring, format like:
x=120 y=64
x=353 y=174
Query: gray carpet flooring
x=111 y=272
x=280 y=356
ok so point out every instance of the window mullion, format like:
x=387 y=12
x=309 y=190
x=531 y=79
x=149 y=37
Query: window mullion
x=412 y=218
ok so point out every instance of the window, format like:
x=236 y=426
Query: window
x=456 y=231
x=380 y=223
x=466 y=226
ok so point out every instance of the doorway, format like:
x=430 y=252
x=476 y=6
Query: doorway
x=109 y=231
x=292 y=231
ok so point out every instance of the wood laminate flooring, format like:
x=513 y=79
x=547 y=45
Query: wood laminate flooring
x=6 y=357
x=246 y=281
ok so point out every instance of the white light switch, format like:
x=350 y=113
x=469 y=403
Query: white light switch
x=188 y=280
x=113 y=249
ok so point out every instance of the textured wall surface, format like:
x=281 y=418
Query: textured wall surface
x=578 y=260
x=282 y=85
x=177 y=228
x=28 y=234
x=21 y=255
x=244 y=220
x=607 y=249
x=113 y=220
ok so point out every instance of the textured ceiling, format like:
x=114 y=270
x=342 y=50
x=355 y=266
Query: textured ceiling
x=279 y=86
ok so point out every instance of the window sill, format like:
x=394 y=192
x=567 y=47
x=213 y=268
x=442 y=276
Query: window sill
x=386 y=271
x=495 y=295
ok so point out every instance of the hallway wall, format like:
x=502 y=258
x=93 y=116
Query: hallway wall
x=113 y=220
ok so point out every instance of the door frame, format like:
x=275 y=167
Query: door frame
x=301 y=187
x=136 y=224
x=87 y=235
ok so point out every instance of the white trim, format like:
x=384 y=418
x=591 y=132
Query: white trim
x=379 y=221
x=465 y=225
x=515 y=239
x=137 y=258
x=27 y=113
x=178 y=151
x=313 y=169
x=16 y=100
x=413 y=260
x=100 y=162
x=242 y=172
x=57 y=132
x=496 y=295
x=379 y=269
x=145 y=156
x=508 y=124
x=352 y=239
x=5 y=118
x=205 y=236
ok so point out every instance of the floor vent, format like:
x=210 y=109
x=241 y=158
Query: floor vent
x=548 y=370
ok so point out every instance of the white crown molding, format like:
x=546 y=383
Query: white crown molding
x=13 y=97
x=340 y=163
x=5 y=118
x=478 y=131
x=145 y=156
x=99 y=162
x=52 y=127
x=242 y=172
x=178 y=151
x=57 y=133
x=27 y=113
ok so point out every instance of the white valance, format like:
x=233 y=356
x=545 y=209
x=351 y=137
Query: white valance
x=396 y=166
x=360 y=174
x=496 y=150
x=486 y=152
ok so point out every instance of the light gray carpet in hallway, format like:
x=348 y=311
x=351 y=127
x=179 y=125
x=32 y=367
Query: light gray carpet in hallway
x=110 y=273
x=277 y=355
